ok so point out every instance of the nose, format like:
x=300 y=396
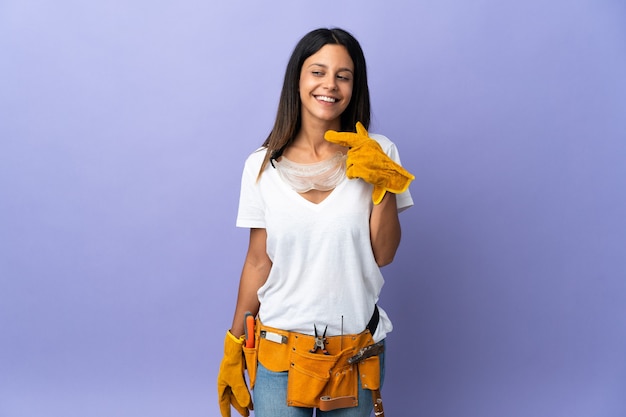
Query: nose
x=331 y=83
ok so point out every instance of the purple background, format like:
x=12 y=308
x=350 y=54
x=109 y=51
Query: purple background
x=123 y=130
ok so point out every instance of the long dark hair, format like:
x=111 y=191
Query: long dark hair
x=288 y=120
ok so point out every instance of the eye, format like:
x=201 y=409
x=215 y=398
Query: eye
x=317 y=73
x=343 y=77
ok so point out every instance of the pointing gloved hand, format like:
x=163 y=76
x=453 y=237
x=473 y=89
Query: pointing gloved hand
x=367 y=160
x=231 y=383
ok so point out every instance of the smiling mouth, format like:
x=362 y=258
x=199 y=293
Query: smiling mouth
x=326 y=99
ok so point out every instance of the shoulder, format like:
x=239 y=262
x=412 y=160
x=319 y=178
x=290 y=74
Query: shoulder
x=255 y=159
x=384 y=142
x=382 y=139
x=256 y=156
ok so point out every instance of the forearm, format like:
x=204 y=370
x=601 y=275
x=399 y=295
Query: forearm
x=385 y=230
x=247 y=300
x=255 y=271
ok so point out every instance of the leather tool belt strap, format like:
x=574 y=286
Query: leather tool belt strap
x=316 y=379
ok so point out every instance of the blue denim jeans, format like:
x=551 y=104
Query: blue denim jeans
x=270 y=397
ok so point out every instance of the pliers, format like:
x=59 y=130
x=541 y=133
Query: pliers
x=320 y=341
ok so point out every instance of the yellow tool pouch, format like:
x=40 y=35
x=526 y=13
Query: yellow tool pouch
x=273 y=353
x=318 y=380
x=250 y=355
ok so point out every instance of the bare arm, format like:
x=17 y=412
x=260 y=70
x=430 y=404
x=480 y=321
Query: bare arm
x=385 y=230
x=256 y=269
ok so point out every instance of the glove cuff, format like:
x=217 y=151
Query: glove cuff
x=233 y=338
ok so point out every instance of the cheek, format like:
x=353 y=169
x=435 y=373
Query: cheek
x=303 y=87
x=348 y=96
x=302 y=95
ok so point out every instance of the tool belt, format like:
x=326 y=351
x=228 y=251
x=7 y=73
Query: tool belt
x=326 y=379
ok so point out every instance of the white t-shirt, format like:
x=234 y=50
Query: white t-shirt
x=323 y=267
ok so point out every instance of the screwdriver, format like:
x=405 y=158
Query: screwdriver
x=249 y=329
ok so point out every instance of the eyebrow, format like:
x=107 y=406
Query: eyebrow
x=326 y=66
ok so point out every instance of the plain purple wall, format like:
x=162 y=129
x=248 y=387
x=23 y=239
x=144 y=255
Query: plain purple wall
x=123 y=130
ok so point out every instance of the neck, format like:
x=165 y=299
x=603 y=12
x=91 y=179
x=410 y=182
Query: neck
x=311 y=135
x=309 y=144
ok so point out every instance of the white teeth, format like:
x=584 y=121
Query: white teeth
x=327 y=99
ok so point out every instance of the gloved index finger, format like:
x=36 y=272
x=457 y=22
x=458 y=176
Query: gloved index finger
x=347 y=139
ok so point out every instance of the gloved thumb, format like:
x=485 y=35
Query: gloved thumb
x=226 y=401
x=377 y=194
x=243 y=401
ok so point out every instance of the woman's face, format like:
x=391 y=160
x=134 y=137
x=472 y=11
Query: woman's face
x=326 y=81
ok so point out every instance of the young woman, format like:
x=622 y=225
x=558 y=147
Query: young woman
x=322 y=223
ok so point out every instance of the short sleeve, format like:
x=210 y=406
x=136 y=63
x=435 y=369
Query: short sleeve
x=251 y=212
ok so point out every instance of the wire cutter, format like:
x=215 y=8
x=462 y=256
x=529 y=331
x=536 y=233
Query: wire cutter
x=320 y=341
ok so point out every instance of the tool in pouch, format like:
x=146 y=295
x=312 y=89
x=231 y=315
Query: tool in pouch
x=367 y=352
x=250 y=351
x=320 y=341
x=248 y=328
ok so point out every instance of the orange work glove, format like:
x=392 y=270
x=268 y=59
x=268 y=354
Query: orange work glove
x=367 y=160
x=231 y=384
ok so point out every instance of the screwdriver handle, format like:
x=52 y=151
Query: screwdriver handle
x=249 y=329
